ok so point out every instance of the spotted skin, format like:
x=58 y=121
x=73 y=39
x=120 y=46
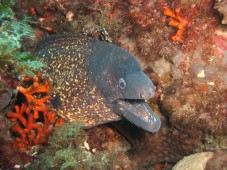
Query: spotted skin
x=85 y=74
x=73 y=97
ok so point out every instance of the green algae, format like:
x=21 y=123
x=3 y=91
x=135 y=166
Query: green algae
x=67 y=135
x=9 y=3
x=68 y=149
x=13 y=35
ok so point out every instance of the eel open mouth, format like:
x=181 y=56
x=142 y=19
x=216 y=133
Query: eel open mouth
x=139 y=113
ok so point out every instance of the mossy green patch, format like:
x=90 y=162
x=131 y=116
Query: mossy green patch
x=9 y=3
x=68 y=149
x=13 y=35
x=67 y=135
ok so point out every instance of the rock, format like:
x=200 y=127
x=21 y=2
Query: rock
x=221 y=6
x=195 y=161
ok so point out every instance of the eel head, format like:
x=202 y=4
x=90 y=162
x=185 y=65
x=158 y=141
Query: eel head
x=126 y=87
x=136 y=88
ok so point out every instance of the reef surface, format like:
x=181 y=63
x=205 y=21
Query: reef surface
x=182 y=46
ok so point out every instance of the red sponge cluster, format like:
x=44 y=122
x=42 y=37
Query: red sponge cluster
x=32 y=116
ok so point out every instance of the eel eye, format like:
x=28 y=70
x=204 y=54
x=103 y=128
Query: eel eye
x=122 y=83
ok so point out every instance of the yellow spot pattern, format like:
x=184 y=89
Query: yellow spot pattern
x=67 y=67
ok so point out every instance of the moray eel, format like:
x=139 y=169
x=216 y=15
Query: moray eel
x=96 y=82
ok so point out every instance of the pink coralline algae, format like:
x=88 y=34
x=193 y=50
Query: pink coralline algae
x=146 y=13
x=196 y=110
x=196 y=101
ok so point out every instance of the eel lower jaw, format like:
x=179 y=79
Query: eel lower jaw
x=139 y=113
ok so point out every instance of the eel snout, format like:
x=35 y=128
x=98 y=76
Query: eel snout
x=138 y=88
x=146 y=89
x=139 y=113
x=146 y=92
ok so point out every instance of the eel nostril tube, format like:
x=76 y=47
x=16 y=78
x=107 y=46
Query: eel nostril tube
x=142 y=95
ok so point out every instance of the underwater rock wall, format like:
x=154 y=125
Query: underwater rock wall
x=182 y=46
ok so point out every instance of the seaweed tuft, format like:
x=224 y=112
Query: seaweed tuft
x=13 y=35
x=66 y=150
x=70 y=148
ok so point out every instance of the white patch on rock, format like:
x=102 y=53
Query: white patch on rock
x=201 y=74
x=195 y=161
